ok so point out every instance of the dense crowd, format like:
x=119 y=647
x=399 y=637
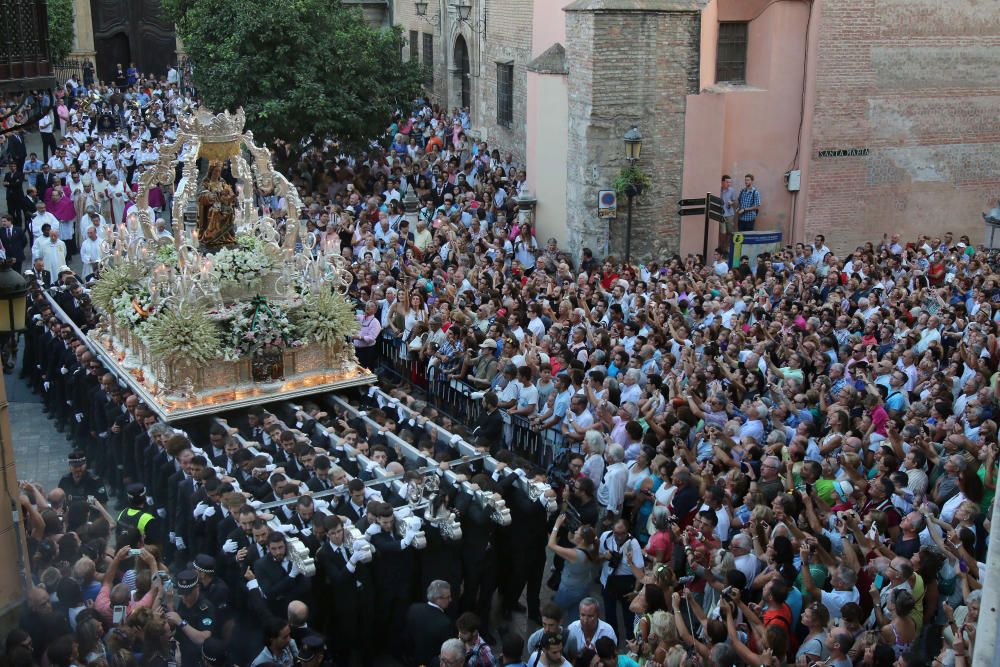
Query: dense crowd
x=790 y=461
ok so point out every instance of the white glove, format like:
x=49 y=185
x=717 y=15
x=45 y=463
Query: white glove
x=209 y=512
x=371 y=391
x=306 y=532
x=199 y=510
x=357 y=557
x=229 y=547
x=179 y=543
x=172 y=537
x=288 y=529
x=255 y=504
x=407 y=540
x=253 y=585
x=294 y=570
x=62 y=369
x=79 y=417
x=373 y=529
x=45 y=386
x=411 y=422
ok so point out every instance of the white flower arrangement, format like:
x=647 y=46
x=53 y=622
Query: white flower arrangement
x=239 y=266
x=257 y=325
x=133 y=310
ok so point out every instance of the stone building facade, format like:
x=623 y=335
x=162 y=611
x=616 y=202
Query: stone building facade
x=629 y=64
x=480 y=62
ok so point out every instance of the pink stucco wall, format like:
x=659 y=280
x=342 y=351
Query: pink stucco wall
x=752 y=128
x=548 y=28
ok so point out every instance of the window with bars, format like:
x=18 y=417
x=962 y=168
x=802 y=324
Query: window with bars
x=505 y=94
x=414 y=45
x=731 y=55
x=429 y=61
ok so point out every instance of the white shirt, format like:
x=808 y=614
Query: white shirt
x=90 y=253
x=834 y=600
x=575 y=642
x=749 y=566
x=41 y=219
x=722 y=528
x=608 y=544
x=611 y=492
x=593 y=467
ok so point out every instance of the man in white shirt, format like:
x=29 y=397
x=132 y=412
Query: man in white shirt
x=581 y=634
x=843 y=579
x=45 y=129
x=746 y=562
x=611 y=492
x=42 y=217
x=90 y=252
x=51 y=250
x=819 y=250
x=719 y=265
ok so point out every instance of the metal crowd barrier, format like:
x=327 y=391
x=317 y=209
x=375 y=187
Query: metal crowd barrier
x=454 y=398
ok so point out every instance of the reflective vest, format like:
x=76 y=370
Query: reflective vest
x=135 y=517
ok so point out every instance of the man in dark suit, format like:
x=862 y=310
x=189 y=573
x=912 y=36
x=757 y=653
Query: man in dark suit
x=239 y=549
x=41 y=276
x=347 y=599
x=13 y=240
x=17 y=152
x=279 y=579
x=428 y=624
x=29 y=203
x=353 y=506
x=13 y=182
x=45 y=181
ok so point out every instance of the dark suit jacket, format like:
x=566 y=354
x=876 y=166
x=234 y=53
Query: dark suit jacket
x=14 y=242
x=427 y=627
x=278 y=588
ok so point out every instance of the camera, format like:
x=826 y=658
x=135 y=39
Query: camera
x=573 y=520
x=615 y=559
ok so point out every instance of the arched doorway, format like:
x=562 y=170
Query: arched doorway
x=461 y=57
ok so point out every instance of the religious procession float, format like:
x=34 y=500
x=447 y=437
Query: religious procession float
x=239 y=309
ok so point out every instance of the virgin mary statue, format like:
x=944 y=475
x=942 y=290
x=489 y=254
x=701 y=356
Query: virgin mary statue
x=216 y=213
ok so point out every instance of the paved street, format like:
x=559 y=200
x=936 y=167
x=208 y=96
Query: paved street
x=39 y=450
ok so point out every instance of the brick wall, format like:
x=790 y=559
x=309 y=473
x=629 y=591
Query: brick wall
x=917 y=82
x=631 y=66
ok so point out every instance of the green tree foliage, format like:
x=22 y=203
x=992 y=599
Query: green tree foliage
x=60 y=28
x=300 y=68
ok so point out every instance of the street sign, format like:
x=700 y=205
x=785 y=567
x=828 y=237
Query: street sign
x=718 y=217
x=700 y=201
x=607 y=204
x=715 y=200
x=691 y=211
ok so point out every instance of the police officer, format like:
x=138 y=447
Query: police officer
x=213 y=588
x=137 y=516
x=312 y=651
x=213 y=653
x=80 y=482
x=193 y=619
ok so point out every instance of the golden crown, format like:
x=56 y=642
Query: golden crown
x=220 y=128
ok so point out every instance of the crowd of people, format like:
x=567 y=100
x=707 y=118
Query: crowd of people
x=785 y=461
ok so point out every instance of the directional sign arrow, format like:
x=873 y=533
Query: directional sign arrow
x=691 y=211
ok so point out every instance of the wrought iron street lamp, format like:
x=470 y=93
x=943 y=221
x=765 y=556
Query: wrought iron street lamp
x=633 y=144
x=633 y=148
x=421 y=8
